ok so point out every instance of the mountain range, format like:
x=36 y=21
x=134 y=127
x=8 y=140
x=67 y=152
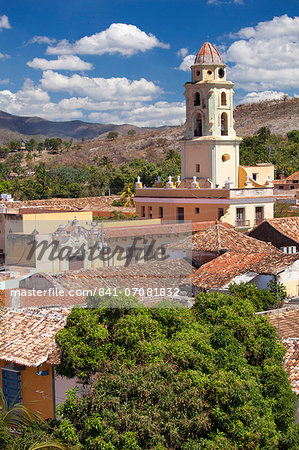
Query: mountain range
x=280 y=116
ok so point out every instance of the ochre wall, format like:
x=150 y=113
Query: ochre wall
x=207 y=211
x=37 y=391
x=49 y=222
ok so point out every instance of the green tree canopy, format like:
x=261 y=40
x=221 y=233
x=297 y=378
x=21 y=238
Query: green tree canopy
x=178 y=378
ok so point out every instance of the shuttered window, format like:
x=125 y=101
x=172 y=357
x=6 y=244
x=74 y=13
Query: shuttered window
x=11 y=386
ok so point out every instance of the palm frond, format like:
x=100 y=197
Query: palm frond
x=59 y=445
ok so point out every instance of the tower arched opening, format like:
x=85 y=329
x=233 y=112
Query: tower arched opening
x=223 y=99
x=198 y=124
x=224 y=124
x=196 y=99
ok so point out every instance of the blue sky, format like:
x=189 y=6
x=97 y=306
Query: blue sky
x=126 y=61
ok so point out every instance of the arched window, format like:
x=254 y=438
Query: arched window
x=198 y=125
x=224 y=127
x=196 y=99
x=223 y=99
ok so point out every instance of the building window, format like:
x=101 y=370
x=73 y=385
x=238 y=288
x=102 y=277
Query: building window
x=180 y=214
x=221 y=73
x=198 y=125
x=11 y=385
x=223 y=99
x=240 y=217
x=224 y=124
x=220 y=213
x=161 y=212
x=142 y=211
x=196 y=99
x=150 y=212
x=197 y=168
x=209 y=72
x=196 y=210
x=254 y=176
x=292 y=187
x=259 y=214
x=197 y=73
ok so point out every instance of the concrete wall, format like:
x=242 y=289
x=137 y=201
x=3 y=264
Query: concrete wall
x=290 y=278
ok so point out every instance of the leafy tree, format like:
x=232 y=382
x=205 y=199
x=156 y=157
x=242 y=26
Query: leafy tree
x=42 y=181
x=3 y=152
x=31 y=145
x=106 y=162
x=179 y=378
x=13 y=146
x=131 y=132
x=293 y=136
x=112 y=135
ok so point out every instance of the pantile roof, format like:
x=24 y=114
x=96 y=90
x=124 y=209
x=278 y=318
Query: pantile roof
x=27 y=335
x=169 y=273
x=294 y=176
x=288 y=226
x=222 y=270
x=170 y=229
x=220 y=237
x=287 y=324
x=286 y=321
x=291 y=362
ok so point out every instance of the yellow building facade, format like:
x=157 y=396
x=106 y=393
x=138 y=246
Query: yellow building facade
x=214 y=186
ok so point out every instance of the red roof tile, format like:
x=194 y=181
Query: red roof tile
x=288 y=226
x=223 y=269
x=27 y=336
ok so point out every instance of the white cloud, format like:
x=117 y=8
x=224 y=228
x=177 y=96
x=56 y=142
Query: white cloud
x=42 y=40
x=4 y=56
x=32 y=100
x=182 y=52
x=118 y=38
x=266 y=56
x=4 y=22
x=253 y=97
x=188 y=60
x=5 y=81
x=157 y=114
x=65 y=62
x=116 y=100
x=101 y=88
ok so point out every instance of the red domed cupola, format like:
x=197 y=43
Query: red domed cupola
x=208 y=54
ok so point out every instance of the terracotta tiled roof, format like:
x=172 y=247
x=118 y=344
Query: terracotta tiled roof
x=74 y=204
x=170 y=273
x=287 y=325
x=287 y=322
x=288 y=226
x=208 y=54
x=291 y=362
x=294 y=176
x=221 y=237
x=223 y=269
x=143 y=230
x=27 y=336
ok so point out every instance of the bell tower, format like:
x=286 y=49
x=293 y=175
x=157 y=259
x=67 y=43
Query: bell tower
x=210 y=148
